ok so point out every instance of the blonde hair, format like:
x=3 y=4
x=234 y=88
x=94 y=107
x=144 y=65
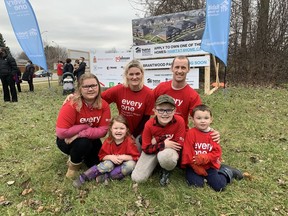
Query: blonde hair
x=121 y=119
x=137 y=64
x=77 y=97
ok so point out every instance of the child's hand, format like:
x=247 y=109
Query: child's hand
x=199 y=170
x=153 y=141
x=201 y=159
x=115 y=159
x=171 y=144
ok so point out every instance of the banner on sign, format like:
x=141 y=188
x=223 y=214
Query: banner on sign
x=154 y=77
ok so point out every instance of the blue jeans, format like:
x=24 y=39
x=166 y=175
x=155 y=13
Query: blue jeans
x=215 y=180
x=107 y=166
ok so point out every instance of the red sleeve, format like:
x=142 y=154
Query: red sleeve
x=147 y=135
x=180 y=130
x=150 y=101
x=67 y=116
x=187 y=151
x=110 y=94
x=132 y=149
x=103 y=126
x=195 y=101
x=215 y=154
x=105 y=150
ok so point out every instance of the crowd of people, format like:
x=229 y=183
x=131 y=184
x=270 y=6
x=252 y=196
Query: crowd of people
x=155 y=132
x=11 y=75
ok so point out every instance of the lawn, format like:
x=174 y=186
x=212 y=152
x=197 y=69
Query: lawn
x=254 y=138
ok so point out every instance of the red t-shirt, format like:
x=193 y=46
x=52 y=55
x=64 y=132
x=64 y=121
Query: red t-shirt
x=199 y=142
x=133 y=105
x=127 y=147
x=175 y=129
x=68 y=115
x=185 y=99
x=59 y=69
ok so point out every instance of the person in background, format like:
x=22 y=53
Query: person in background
x=28 y=75
x=81 y=124
x=18 y=80
x=201 y=156
x=162 y=141
x=68 y=67
x=76 y=65
x=60 y=72
x=8 y=69
x=118 y=154
x=81 y=69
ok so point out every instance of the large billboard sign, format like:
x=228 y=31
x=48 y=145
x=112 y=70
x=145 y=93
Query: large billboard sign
x=182 y=26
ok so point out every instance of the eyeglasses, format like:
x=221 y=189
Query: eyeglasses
x=93 y=86
x=168 y=111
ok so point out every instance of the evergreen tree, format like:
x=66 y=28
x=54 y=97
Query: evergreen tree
x=3 y=44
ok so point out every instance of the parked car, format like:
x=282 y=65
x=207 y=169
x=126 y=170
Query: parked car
x=42 y=73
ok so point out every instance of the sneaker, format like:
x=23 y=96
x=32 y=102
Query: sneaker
x=103 y=179
x=237 y=174
x=78 y=182
x=164 y=177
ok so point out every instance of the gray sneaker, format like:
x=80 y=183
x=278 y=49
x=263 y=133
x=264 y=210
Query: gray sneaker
x=164 y=177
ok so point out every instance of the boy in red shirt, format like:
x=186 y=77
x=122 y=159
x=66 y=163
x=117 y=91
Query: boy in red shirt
x=162 y=140
x=202 y=156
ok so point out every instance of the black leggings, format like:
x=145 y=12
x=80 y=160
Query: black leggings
x=81 y=149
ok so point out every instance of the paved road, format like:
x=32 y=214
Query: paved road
x=38 y=80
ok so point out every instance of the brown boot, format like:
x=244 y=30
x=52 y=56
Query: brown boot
x=72 y=169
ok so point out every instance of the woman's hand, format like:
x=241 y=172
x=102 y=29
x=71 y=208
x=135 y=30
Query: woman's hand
x=71 y=139
x=68 y=98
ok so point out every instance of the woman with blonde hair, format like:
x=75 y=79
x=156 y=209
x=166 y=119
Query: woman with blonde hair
x=81 y=123
x=134 y=100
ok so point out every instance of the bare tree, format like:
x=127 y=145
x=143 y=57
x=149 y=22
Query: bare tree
x=258 y=48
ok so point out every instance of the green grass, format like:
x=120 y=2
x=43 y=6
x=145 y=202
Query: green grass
x=253 y=127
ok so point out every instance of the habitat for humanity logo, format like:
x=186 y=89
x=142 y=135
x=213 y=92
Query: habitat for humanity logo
x=215 y=9
x=144 y=51
x=121 y=58
x=25 y=35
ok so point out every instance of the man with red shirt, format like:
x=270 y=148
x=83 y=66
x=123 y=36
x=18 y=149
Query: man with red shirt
x=186 y=98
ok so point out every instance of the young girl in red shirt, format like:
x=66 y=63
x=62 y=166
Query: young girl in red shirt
x=118 y=154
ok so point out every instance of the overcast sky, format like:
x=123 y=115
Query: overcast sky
x=82 y=25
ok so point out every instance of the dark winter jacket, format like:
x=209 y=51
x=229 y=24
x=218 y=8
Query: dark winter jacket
x=29 y=72
x=81 y=69
x=68 y=67
x=8 y=66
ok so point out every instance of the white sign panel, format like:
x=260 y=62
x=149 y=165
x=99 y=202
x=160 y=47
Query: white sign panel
x=109 y=67
x=154 y=77
x=197 y=61
x=186 y=48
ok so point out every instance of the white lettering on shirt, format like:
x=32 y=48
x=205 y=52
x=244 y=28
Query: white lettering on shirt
x=90 y=120
x=178 y=102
